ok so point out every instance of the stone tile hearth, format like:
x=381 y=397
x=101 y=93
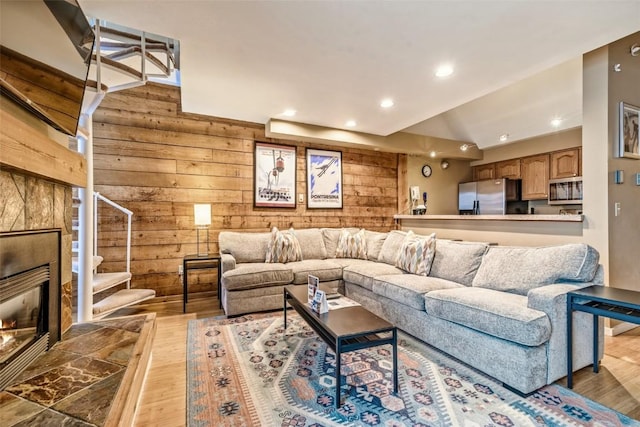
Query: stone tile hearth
x=74 y=383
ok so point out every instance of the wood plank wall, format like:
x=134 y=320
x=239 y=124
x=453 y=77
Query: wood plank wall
x=157 y=161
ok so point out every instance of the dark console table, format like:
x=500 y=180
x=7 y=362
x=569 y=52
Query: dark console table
x=196 y=262
x=619 y=304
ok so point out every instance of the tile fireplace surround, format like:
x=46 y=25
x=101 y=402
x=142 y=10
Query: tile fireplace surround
x=29 y=297
x=32 y=203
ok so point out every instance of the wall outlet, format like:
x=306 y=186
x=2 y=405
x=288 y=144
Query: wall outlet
x=415 y=193
x=180 y=270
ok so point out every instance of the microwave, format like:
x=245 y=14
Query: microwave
x=565 y=191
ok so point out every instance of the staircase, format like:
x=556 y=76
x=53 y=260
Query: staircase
x=102 y=282
x=121 y=58
x=124 y=58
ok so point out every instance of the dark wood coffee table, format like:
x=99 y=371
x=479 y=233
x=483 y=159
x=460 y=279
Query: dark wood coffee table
x=344 y=329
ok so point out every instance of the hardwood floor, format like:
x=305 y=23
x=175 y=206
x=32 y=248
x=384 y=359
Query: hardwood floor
x=164 y=397
x=163 y=401
x=617 y=385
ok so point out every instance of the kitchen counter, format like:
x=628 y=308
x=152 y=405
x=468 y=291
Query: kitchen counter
x=518 y=230
x=555 y=218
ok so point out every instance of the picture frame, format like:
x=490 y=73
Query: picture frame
x=628 y=131
x=324 y=179
x=274 y=175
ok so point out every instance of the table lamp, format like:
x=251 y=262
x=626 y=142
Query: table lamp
x=202 y=220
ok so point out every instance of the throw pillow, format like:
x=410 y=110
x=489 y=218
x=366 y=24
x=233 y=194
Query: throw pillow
x=352 y=245
x=391 y=247
x=417 y=253
x=283 y=246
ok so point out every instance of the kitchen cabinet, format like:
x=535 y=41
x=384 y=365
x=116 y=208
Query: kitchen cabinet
x=535 y=177
x=481 y=172
x=508 y=169
x=565 y=163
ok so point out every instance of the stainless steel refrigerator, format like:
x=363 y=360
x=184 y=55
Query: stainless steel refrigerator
x=487 y=197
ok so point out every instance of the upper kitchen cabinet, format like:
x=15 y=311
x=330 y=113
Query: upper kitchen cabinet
x=535 y=177
x=508 y=169
x=481 y=172
x=566 y=163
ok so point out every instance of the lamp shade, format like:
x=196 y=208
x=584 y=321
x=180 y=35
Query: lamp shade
x=202 y=214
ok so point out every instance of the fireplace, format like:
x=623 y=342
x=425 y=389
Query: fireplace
x=29 y=298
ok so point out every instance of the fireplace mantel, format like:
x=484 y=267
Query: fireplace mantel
x=27 y=150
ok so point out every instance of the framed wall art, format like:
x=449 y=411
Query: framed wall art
x=324 y=179
x=274 y=176
x=628 y=130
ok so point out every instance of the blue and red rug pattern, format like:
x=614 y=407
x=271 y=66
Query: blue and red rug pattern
x=250 y=371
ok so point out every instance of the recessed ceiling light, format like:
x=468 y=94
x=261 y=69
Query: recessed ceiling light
x=432 y=154
x=504 y=137
x=464 y=147
x=444 y=70
x=350 y=123
x=556 y=122
x=386 y=103
x=289 y=113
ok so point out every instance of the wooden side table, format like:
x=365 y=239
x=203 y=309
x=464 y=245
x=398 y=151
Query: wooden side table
x=619 y=304
x=195 y=262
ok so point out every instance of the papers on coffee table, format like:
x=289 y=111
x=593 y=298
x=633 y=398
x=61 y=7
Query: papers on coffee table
x=341 y=302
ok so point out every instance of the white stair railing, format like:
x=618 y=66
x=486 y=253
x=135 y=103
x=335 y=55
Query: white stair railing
x=99 y=197
x=111 y=60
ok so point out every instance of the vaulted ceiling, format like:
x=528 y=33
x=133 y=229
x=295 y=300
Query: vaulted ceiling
x=516 y=64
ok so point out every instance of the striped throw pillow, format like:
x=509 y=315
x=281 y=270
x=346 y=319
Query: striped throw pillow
x=352 y=245
x=417 y=253
x=283 y=246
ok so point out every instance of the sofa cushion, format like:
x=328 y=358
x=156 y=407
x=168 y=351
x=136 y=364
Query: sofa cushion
x=352 y=245
x=363 y=273
x=325 y=270
x=416 y=254
x=375 y=240
x=311 y=243
x=519 y=269
x=245 y=247
x=457 y=261
x=391 y=247
x=331 y=237
x=256 y=275
x=495 y=313
x=346 y=262
x=283 y=246
x=409 y=289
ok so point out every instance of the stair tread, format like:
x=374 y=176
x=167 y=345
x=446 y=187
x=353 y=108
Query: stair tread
x=104 y=281
x=120 y=299
x=97 y=260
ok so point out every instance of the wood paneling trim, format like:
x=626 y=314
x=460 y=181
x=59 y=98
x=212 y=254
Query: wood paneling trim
x=181 y=123
x=25 y=149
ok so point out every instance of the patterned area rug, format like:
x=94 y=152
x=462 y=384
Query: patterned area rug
x=250 y=371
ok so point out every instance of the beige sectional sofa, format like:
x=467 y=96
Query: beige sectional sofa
x=500 y=309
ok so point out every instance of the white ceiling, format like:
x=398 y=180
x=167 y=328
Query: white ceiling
x=517 y=63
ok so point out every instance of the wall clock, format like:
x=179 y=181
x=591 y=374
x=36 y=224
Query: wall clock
x=426 y=171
